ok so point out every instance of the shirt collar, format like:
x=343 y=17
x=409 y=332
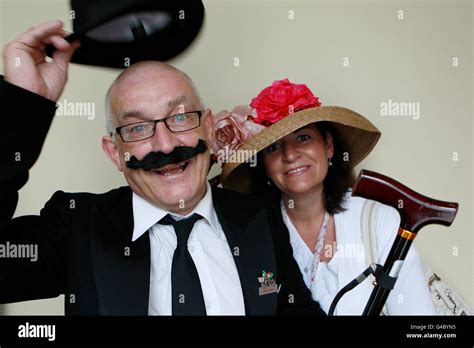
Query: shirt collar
x=145 y=214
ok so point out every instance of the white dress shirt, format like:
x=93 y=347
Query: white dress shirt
x=209 y=250
x=410 y=295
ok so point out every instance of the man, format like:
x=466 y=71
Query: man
x=165 y=244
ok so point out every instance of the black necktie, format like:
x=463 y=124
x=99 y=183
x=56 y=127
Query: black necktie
x=186 y=292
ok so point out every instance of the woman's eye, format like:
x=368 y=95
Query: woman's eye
x=272 y=148
x=303 y=137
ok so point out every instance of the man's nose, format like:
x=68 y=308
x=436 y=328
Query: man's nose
x=164 y=140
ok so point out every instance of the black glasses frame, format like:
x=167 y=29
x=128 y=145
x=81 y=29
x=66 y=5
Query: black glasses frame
x=199 y=112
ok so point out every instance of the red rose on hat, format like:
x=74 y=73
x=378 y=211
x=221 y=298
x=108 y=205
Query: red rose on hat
x=281 y=99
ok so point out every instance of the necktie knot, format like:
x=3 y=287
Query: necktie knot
x=182 y=227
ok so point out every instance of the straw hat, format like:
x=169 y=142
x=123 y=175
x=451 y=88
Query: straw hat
x=357 y=132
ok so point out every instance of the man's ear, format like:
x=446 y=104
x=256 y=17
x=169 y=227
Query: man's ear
x=112 y=151
x=210 y=128
x=329 y=145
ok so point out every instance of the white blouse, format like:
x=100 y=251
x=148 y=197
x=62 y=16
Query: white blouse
x=410 y=294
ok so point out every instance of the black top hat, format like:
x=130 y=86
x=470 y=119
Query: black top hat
x=117 y=33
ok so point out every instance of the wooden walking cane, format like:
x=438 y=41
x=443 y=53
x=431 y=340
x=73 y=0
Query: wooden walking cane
x=416 y=211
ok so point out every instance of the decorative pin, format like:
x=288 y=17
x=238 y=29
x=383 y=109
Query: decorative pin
x=267 y=284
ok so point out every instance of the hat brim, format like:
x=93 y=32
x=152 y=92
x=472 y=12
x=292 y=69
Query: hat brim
x=357 y=132
x=161 y=46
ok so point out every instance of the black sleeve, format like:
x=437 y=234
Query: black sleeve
x=294 y=298
x=31 y=247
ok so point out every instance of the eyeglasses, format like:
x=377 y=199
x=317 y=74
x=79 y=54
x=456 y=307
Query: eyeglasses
x=175 y=123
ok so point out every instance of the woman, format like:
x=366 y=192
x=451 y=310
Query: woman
x=305 y=160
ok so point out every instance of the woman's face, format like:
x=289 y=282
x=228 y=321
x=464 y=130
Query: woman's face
x=298 y=163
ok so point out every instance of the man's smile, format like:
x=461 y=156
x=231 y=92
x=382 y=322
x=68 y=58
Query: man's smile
x=173 y=169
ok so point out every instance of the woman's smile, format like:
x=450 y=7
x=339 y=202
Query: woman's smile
x=297 y=171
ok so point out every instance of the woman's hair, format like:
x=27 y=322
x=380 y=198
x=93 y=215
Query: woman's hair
x=339 y=179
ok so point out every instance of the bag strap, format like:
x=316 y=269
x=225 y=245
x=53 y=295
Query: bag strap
x=369 y=211
x=368 y=228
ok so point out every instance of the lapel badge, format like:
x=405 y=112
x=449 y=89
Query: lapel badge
x=267 y=284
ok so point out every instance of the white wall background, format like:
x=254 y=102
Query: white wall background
x=405 y=60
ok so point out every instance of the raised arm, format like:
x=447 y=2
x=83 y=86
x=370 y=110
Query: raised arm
x=28 y=94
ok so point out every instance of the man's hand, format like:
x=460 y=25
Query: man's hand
x=25 y=63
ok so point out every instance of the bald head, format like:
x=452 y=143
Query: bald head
x=140 y=72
